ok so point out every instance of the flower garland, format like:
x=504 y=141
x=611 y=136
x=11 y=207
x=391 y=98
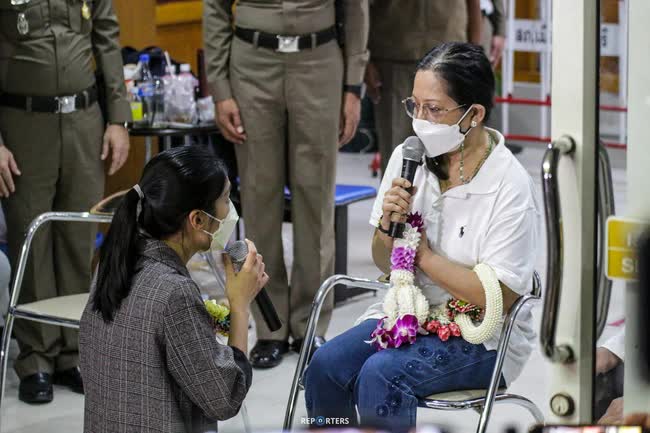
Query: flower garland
x=405 y=306
x=493 y=308
x=442 y=320
x=406 y=309
x=221 y=315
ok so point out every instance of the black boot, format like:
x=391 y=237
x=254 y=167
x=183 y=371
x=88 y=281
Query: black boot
x=70 y=378
x=268 y=353
x=296 y=345
x=36 y=389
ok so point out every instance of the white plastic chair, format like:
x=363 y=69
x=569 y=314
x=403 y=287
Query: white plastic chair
x=481 y=400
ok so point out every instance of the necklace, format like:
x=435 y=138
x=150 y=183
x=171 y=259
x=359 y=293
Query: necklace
x=488 y=150
x=445 y=184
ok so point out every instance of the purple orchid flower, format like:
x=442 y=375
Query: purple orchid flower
x=381 y=338
x=405 y=330
x=415 y=220
x=403 y=259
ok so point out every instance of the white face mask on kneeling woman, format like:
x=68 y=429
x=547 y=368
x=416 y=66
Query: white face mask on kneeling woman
x=226 y=228
x=439 y=138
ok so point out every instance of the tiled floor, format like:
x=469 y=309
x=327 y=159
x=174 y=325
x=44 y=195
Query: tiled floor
x=267 y=400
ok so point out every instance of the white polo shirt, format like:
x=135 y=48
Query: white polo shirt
x=494 y=219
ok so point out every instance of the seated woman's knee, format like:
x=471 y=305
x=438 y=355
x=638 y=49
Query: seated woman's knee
x=323 y=362
x=382 y=364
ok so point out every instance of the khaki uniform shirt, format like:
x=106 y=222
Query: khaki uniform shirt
x=283 y=17
x=51 y=48
x=405 y=30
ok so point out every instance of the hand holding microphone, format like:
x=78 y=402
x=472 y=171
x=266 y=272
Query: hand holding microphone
x=245 y=278
x=245 y=281
x=397 y=200
x=397 y=203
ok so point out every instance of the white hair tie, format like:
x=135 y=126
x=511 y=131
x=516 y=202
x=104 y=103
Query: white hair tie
x=138 y=211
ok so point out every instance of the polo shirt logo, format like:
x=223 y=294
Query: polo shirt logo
x=462 y=232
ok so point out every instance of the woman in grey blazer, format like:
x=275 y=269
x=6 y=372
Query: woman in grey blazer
x=148 y=353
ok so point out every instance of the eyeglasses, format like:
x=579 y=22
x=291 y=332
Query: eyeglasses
x=430 y=112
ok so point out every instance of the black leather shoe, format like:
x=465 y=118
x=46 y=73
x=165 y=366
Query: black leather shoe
x=70 y=378
x=36 y=389
x=268 y=353
x=296 y=345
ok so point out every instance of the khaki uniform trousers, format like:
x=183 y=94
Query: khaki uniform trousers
x=290 y=105
x=392 y=124
x=59 y=157
x=487 y=32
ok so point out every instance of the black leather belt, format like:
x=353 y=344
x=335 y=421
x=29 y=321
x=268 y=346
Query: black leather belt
x=286 y=44
x=51 y=104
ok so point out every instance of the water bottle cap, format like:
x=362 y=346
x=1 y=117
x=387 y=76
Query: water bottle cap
x=144 y=57
x=185 y=67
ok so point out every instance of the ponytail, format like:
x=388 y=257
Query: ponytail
x=117 y=258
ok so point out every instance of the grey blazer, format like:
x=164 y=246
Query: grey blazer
x=157 y=366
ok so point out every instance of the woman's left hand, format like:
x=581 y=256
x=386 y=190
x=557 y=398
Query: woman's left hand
x=424 y=250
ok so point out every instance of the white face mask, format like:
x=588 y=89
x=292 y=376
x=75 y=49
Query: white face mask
x=439 y=138
x=226 y=227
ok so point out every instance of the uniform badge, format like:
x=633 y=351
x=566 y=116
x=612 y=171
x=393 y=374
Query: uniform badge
x=22 y=24
x=85 y=10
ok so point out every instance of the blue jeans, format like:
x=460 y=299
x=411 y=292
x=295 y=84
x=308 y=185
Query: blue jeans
x=385 y=386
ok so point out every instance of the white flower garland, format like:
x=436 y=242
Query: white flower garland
x=404 y=297
x=493 y=311
x=404 y=303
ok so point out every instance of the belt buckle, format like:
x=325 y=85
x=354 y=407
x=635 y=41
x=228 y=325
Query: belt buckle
x=288 y=44
x=66 y=104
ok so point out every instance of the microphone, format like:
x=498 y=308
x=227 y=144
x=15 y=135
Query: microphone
x=238 y=251
x=412 y=152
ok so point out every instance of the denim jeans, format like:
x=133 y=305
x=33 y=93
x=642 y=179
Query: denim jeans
x=385 y=386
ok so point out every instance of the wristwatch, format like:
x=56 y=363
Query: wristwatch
x=125 y=125
x=381 y=228
x=356 y=89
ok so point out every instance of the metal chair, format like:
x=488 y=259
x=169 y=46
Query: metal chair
x=62 y=311
x=481 y=401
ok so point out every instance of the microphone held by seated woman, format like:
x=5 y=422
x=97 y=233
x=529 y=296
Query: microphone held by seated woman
x=149 y=356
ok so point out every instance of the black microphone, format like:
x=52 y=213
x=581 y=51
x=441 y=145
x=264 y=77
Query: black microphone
x=412 y=152
x=238 y=251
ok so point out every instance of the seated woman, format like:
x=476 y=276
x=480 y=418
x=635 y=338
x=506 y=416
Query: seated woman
x=478 y=206
x=149 y=356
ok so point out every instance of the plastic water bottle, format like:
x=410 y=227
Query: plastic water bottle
x=159 y=101
x=185 y=94
x=168 y=81
x=188 y=80
x=136 y=104
x=147 y=89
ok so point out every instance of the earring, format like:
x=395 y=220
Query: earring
x=473 y=123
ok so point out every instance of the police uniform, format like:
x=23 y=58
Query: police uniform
x=401 y=34
x=289 y=92
x=494 y=22
x=51 y=122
